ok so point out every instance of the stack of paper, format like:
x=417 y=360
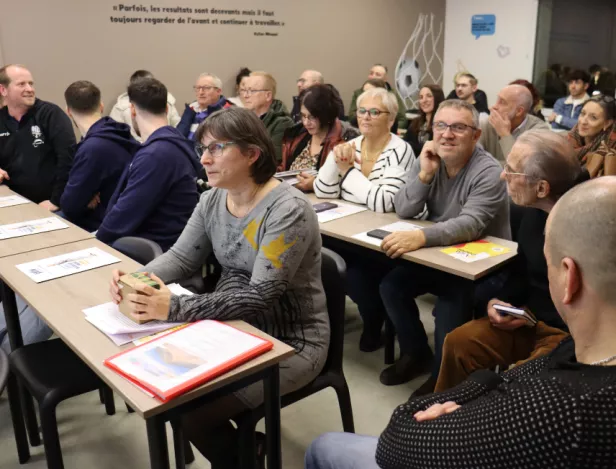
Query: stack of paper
x=120 y=329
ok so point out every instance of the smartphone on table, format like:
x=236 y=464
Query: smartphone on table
x=379 y=234
x=324 y=206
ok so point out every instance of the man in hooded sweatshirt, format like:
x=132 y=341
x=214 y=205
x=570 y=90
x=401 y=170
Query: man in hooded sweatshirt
x=100 y=158
x=260 y=97
x=157 y=191
x=120 y=112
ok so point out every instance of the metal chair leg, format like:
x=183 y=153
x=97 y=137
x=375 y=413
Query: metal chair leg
x=21 y=438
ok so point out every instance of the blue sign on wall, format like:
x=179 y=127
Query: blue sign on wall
x=483 y=25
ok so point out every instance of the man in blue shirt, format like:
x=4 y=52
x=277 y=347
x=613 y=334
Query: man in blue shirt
x=567 y=110
x=157 y=192
x=100 y=158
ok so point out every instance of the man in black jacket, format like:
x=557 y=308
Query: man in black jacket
x=36 y=140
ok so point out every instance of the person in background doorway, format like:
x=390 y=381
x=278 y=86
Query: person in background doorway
x=567 y=110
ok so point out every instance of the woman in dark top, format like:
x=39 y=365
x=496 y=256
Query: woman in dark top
x=306 y=145
x=420 y=129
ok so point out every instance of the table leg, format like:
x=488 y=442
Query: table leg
x=178 y=443
x=157 y=442
x=272 y=418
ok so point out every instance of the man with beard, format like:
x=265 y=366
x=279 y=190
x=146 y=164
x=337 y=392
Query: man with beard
x=509 y=118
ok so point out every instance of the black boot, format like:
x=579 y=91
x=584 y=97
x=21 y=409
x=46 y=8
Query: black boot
x=406 y=368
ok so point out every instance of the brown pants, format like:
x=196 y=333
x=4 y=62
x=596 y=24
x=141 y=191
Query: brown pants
x=477 y=345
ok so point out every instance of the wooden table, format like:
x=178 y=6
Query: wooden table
x=60 y=303
x=344 y=228
x=32 y=211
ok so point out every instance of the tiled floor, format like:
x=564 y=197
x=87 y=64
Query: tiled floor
x=91 y=439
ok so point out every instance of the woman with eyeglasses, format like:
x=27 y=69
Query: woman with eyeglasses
x=266 y=236
x=376 y=83
x=594 y=136
x=420 y=128
x=306 y=145
x=368 y=170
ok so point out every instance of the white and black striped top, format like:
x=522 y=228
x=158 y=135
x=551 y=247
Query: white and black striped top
x=377 y=191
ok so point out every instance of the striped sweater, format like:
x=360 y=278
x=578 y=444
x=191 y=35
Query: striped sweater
x=378 y=190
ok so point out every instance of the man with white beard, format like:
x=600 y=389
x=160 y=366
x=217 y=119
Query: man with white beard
x=509 y=118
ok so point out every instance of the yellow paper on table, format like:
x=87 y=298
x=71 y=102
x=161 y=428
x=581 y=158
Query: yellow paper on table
x=475 y=251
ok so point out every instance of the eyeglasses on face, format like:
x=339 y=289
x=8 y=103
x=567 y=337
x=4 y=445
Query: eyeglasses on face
x=204 y=88
x=373 y=112
x=458 y=128
x=308 y=118
x=509 y=172
x=215 y=148
x=249 y=92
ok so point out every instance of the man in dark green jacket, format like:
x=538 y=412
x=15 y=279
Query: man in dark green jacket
x=379 y=72
x=260 y=97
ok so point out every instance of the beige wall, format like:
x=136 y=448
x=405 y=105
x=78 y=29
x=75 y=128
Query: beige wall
x=66 y=40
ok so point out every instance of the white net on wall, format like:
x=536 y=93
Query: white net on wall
x=421 y=48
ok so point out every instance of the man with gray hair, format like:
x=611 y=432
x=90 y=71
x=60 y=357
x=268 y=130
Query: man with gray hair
x=458 y=182
x=509 y=118
x=208 y=90
x=541 y=168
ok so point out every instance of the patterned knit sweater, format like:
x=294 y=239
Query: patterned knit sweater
x=551 y=412
x=271 y=269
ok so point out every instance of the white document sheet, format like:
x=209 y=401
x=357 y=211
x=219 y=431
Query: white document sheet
x=24 y=228
x=342 y=210
x=11 y=200
x=397 y=226
x=66 y=264
x=120 y=329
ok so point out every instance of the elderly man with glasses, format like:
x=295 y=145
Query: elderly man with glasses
x=208 y=90
x=541 y=167
x=458 y=182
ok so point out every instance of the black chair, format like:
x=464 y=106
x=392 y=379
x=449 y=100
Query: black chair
x=4 y=370
x=333 y=272
x=51 y=373
x=141 y=250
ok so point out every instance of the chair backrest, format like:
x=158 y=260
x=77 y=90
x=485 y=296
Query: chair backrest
x=4 y=369
x=139 y=249
x=333 y=275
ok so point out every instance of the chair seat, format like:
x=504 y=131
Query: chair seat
x=52 y=367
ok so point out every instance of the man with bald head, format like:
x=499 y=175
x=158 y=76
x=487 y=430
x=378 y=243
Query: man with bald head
x=307 y=79
x=555 y=411
x=379 y=72
x=541 y=167
x=36 y=140
x=509 y=118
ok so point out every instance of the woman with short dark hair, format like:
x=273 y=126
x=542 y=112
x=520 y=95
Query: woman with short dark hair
x=239 y=79
x=594 y=136
x=306 y=145
x=265 y=235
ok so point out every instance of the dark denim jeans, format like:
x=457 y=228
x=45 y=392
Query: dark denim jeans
x=457 y=300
